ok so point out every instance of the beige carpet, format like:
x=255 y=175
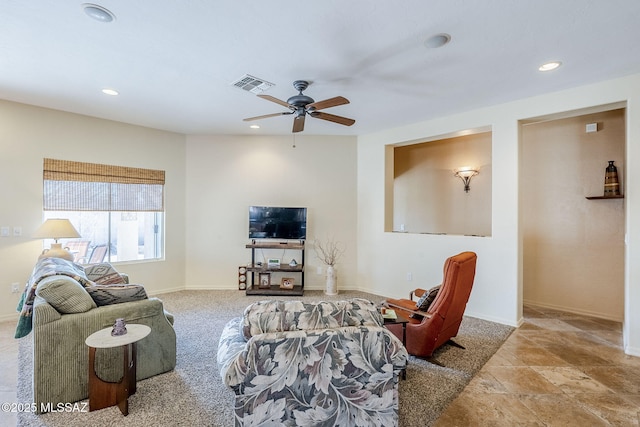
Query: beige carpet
x=194 y=395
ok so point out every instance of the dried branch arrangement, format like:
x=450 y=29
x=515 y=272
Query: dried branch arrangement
x=329 y=251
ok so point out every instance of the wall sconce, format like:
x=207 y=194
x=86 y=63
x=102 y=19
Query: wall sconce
x=465 y=173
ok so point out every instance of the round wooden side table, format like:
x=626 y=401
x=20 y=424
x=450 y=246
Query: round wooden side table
x=103 y=394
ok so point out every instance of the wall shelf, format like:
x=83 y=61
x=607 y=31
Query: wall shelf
x=603 y=197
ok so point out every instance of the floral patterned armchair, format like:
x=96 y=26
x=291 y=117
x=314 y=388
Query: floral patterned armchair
x=307 y=364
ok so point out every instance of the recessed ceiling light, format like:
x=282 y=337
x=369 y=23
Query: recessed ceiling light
x=98 y=13
x=548 y=66
x=111 y=92
x=437 y=41
x=254 y=127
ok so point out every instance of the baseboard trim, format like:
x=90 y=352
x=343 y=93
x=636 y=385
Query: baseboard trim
x=164 y=291
x=10 y=317
x=632 y=351
x=574 y=310
x=231 y=288
x=493 y=319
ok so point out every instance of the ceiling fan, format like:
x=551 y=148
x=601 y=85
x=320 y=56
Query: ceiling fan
x=302 y=105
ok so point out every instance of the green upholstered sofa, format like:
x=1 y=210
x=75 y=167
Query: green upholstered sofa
x=60 y=355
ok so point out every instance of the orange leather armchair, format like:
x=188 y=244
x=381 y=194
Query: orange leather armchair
x=430 y=329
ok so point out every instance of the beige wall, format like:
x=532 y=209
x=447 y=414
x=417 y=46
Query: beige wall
x=385 y=258
x=573 y=247
x=227 y=174
x=243 y=169
x=428 y=198
x=28 y=134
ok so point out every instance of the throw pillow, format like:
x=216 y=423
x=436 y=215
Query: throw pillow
x=427 y=298
x=65 y=294
x=45 y=267
x=116 y=294
x=103 y=274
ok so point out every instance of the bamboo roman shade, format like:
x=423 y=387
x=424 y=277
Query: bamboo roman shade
x=79 y=186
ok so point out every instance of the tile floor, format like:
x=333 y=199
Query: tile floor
x=557 y=369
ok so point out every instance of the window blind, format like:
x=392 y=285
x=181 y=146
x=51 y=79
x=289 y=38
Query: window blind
x=80 y=186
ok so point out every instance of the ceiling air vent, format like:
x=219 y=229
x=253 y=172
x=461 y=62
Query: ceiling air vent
x=252 y=84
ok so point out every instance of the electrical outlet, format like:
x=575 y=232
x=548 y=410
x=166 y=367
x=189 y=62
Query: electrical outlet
x=17 y=231
x=4 y=231
x=15 y=287
x=409 y=277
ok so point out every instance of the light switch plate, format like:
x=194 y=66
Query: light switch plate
x=4 y=231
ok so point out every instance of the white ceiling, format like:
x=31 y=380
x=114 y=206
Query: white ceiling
x=173 y=61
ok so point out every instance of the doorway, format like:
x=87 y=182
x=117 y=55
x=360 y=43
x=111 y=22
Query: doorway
x=573 y=246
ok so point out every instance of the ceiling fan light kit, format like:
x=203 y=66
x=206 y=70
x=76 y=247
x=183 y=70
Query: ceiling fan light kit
x=302 y=105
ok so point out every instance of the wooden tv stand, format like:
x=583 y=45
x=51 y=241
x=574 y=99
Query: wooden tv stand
x=253 y=288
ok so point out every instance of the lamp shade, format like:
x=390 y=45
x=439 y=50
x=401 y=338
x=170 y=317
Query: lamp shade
x=56 y=228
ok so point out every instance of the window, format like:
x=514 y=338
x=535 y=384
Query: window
x=118 y=210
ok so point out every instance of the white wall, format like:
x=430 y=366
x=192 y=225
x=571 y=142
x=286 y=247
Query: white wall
x=227 y=174
x=385 y=258
x=28 y=134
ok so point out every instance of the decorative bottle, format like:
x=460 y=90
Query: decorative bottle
x=611 y=184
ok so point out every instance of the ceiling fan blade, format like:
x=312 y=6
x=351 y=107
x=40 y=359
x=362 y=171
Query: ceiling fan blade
x=276 y=100
x=331 y=102
x=267 y=116
x=333 y=118
x=298 y=123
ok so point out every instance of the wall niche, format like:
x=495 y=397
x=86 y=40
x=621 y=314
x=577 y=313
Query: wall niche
x=423 y=194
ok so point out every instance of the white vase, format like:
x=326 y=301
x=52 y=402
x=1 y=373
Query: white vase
x=332 y=286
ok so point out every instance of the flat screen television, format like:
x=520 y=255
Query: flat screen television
x=268 y=222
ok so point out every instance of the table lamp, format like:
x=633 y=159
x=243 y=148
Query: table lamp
x=56 y=228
